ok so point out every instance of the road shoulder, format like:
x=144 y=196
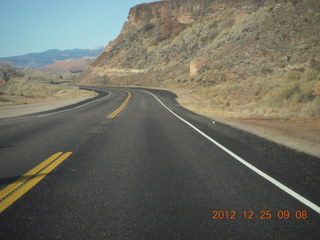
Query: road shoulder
x=20 y=110
x=302 y=135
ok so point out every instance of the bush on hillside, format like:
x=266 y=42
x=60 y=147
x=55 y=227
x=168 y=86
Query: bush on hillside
x=7 y=72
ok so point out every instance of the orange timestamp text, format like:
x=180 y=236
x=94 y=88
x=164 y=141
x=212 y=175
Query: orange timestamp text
x=262 y=214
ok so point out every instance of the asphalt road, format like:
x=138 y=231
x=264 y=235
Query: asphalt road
x=143 y=173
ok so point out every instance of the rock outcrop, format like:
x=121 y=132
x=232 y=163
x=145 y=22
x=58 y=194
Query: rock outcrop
x=147 y=13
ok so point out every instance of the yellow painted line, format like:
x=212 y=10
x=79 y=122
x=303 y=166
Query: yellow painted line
x=123 y=105
x=14 y=191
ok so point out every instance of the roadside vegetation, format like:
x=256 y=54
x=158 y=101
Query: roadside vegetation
x=23 y=86
x=288 y=95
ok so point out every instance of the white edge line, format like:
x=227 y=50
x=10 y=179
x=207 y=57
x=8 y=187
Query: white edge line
x=253 y=168
x=67 y=110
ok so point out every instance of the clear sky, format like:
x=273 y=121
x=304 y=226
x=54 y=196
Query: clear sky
x=38 y=25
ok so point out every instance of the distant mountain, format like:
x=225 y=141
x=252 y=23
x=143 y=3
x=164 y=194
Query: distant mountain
x=37 y=60
x=75 y=65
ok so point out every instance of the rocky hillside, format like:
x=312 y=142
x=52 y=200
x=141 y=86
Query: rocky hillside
x=260 y=58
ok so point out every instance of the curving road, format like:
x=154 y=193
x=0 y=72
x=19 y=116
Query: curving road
x=133 y=164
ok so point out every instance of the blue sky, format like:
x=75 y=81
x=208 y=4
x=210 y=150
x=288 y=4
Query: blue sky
x=38 y=25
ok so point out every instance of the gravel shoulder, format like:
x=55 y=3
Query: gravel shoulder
x=299 y=134
x=302 y=135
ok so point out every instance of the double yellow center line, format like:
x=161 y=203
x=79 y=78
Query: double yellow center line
x=123 y=105
x=14 y=191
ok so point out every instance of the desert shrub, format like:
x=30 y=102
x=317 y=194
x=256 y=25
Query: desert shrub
x=7 y=72
x=293 y=94
x=273 y=101
x=311 y=74
x=305 y=93
x=288 y=90
x=147 y=27
x=213 y=34
x=316 y=89
x=312 y=109
x=293 y=75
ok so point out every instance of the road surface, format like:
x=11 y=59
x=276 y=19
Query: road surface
x=133 y=164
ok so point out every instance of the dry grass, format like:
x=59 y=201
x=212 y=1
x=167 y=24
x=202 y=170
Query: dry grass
x=19 y=91
x=280 y=96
